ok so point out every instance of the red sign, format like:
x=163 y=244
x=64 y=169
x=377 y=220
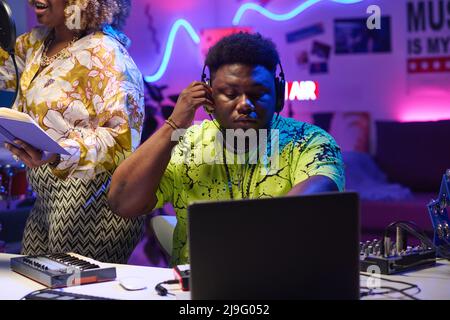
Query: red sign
x=429 y=65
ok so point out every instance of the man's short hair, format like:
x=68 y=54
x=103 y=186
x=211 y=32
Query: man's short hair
x=246 y=48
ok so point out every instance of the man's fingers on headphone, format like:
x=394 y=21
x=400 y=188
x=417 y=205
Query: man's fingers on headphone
x=204 y=101
x=206 y=87
x=200 y=89
x=202 y=93
x=199 y=84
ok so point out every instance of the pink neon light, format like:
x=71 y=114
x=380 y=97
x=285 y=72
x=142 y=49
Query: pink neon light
x=418 y=116
x=175 y=5
x=424 y=112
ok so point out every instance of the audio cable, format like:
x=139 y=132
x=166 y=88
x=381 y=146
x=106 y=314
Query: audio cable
x=161 y=290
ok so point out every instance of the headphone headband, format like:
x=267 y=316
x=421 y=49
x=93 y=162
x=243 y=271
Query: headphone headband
x=205 y=77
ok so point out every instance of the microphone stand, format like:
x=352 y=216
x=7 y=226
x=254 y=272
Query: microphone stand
x=8 y=40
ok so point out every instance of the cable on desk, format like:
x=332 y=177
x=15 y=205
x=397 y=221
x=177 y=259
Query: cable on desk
x=31 y=293
x=413 y=229
x=391 y=289
x=163 y=291
x=412 y=285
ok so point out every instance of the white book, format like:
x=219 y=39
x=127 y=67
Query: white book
x=18 y=125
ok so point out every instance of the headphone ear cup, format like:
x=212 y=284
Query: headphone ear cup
x=207 y=80
x=208 y=110
x=280 y=92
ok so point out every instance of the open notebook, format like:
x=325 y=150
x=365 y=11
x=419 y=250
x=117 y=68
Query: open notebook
x=18 y=125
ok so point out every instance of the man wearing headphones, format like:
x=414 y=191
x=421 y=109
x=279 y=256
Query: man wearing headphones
x=244 y=95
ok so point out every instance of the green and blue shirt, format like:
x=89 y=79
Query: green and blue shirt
x=196 y=171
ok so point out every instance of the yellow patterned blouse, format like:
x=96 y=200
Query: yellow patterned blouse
x=92 y=102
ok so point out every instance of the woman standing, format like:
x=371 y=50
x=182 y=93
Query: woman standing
x=81 y=86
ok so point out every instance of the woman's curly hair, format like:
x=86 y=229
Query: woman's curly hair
x=95 y=14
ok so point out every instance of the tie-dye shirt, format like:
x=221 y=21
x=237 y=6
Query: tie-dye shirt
x=197 y=171
x=91 y=101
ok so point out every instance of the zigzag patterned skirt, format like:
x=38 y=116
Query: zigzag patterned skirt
x=73 y=215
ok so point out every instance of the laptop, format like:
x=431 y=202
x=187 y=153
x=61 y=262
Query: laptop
x=302 y=247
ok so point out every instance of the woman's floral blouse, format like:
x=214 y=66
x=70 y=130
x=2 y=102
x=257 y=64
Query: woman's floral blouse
x=90 y=102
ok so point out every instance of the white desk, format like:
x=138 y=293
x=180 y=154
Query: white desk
x=434 y=283
x=14 y=286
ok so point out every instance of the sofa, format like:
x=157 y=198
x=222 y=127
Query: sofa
x=414 y=155
x=399 y=175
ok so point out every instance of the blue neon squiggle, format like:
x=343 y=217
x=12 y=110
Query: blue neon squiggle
x=273 y=16
x=281 y=17
x=237 y=18
x=347 y=1
x=168 y=52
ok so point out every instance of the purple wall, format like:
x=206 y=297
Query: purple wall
x=374 y=82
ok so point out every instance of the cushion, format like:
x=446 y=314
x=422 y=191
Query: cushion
x=415 y=154
x=351 y=130
x=363 y=176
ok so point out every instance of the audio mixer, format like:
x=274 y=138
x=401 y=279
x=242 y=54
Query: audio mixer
x=394 y=257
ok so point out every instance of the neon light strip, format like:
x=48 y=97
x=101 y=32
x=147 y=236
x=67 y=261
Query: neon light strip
x=245 y=7
x=168 y=52
x=281 y=17
x=347 y=1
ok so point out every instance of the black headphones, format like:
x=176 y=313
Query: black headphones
x=280 y=84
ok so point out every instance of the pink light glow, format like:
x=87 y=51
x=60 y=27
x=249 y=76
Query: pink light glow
x=425 y=112
x=173 y=5
x=209 y=37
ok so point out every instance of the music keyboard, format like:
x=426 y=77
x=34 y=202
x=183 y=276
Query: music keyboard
x=62 y=270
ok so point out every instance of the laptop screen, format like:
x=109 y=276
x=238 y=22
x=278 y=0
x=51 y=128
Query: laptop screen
x=304 y=247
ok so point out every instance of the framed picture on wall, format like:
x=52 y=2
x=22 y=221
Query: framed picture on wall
x=352 y=36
